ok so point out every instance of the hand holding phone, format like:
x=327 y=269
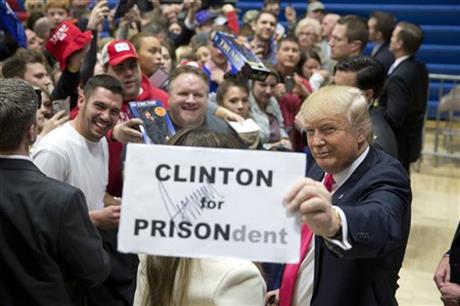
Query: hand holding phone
x=98 y=13
x=289 y=83
x=61 y=104
x=123 y=7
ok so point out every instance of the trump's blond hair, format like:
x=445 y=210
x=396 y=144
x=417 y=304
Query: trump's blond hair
x=336 y=100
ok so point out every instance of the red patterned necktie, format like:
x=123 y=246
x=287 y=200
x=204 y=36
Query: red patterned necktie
x=289 y=278
x=328 y=182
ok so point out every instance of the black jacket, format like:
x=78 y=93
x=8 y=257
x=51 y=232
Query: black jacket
x=376 y=201
x=49 y=248
x=404 y=99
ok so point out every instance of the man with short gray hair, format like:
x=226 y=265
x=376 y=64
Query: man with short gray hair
x=327 y=26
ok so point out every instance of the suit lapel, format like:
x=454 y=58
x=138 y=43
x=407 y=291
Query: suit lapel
x=317 y=173
x=402 y=64
x=353 y=180
x=377 y=50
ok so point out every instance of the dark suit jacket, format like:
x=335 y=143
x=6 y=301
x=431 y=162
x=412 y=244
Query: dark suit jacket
x=376 y=202
x=404 y=99
x=384 y=137
x=49 y=249
x=454 y=258
x=384 y=56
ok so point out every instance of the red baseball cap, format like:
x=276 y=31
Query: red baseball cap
x=65 y=40
x=118 y=51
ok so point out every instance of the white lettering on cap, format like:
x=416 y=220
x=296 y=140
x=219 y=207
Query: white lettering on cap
x=60 y=34
x=122 y=46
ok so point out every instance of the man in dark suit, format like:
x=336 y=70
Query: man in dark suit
x=368 y=75
x=404 y=96
x=362 y=224
x=381 y=26
x=50 y=250
x=447 y=275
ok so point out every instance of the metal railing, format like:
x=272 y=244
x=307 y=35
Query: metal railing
x=447 y=116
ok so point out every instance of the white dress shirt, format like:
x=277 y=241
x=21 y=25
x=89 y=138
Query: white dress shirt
x=397 y=62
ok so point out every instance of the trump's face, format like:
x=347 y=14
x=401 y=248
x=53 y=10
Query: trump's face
x=332 y=142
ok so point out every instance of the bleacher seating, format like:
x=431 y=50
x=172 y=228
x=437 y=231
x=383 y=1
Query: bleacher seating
x=440 y=20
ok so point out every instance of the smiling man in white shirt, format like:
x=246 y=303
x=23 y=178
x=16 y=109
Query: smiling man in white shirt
x=77 y=152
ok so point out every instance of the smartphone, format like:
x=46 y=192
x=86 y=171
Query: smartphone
x=159 y=78
x=61 y=104
x=289 y=83
x=123 y=7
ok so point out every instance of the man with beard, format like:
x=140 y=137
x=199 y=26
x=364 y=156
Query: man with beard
x=77 y=153
x=120 y=61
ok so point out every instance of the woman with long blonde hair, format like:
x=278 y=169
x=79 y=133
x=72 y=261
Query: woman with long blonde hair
x=174 y=281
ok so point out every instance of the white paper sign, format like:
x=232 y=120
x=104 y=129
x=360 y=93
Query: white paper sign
x=247 y=126
x=206 y=202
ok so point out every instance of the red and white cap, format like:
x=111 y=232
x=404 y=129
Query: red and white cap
x=118 y=51
x=65 y=40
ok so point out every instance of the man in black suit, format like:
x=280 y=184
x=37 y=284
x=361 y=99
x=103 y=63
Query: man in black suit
x=404 y=96
x=447 y=275
x=368 y=75
x=50 y=250
x=362 y=223
x=381 y=26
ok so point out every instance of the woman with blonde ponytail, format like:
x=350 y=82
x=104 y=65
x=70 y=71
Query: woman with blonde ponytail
x=173 y=281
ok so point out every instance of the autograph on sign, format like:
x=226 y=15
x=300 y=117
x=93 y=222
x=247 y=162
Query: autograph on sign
x=214 y=202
